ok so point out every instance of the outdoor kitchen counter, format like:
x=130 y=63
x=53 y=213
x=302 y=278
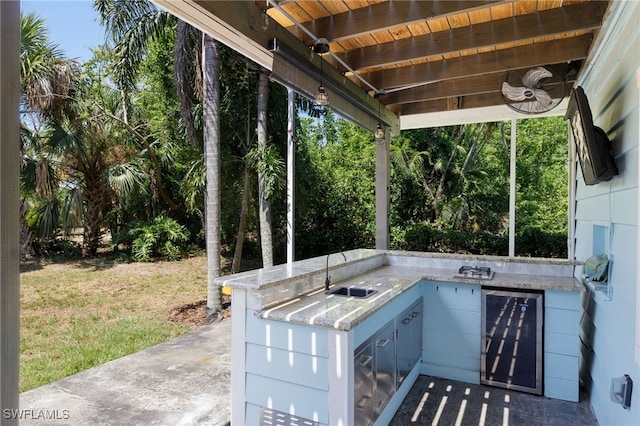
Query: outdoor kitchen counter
x=344 y=313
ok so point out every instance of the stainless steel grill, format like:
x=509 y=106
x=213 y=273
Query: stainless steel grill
x=476 y=272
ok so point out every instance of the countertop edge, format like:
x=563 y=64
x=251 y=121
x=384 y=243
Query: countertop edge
x=287 y=313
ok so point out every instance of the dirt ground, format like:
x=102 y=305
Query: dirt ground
x=195 y=313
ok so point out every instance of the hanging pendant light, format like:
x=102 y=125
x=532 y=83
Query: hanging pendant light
x=321 y=46
x=379 y=133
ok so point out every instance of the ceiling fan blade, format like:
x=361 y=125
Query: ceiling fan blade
x=534 y=75
x=543 y=97
x=513 y=93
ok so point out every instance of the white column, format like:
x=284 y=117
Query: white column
x=291 y=154
x=571 y=226
x=637 y=346
x=383 y=172
x=239 y=357
x=9 y=208
x=341 y=377
x=512 y=191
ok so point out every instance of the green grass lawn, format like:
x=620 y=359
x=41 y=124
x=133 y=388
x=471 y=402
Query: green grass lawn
x=79 y=314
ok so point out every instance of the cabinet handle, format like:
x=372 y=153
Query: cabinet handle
x=382 y=343
x=365 y=360
x=407 y=320
x=363 y=402
x=414 y=314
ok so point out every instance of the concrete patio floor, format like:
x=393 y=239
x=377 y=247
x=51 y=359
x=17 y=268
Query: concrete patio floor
x=435 y=401
x=185 y=381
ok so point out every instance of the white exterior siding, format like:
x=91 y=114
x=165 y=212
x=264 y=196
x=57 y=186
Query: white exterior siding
x=611 y=208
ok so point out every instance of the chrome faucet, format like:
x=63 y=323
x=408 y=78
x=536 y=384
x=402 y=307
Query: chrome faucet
x=327 y=279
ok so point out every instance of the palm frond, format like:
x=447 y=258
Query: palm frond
x=130 y=25
x=128 y=178
x=72 y=209
x=268 y=164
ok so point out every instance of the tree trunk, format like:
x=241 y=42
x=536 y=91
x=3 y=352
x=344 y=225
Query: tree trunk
x=237 y=254
x=26 y=248
x=264 y=204
x=211 y=118
x=94 y=196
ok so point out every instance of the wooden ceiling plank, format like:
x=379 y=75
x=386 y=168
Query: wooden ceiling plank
x=388 y=15
x=438 y=24
x=400 y=33
x=296 y=12
x=381 y=37
x=548 y=4
x=335 y=7
x=459 y=20
x=500 y=60
x=314 y=9
x=479 y=16
x=584 y=16
x=418 y=29
x=503 y=11
x=524 y=7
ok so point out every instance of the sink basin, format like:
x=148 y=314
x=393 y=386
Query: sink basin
x=360 y=293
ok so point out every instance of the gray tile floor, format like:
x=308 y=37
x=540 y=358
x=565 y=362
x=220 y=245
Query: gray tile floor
x=435 y=401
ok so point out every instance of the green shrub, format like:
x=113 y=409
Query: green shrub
x=530 y=241
x=56 y=247
x=163 y=238
x=535 y=242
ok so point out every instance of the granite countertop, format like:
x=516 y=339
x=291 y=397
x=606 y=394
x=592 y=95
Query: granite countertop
x=344 y=313
x=281 y=274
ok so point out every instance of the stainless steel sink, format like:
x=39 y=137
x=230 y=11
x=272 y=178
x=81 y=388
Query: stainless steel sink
x=360 y=293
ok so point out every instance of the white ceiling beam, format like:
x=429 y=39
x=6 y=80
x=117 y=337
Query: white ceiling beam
x=196 y=16
x=472 y=115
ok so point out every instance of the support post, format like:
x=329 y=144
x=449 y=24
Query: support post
x=9 y=211
x=512 y=191
x=383 y=171
x=571 y=226
x=291 y=154
x=637 y=345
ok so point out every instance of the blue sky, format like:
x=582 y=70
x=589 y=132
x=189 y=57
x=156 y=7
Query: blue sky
x=72 y=25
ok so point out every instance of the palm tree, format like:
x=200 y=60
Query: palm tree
x=266 y=238
x=47 y=80
x=211 y=115
x=131 y=25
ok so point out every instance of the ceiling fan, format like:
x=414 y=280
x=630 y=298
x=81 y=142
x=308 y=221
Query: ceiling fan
x=532 y=91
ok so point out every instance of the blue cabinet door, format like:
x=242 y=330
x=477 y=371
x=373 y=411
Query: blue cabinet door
x=451 y=335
